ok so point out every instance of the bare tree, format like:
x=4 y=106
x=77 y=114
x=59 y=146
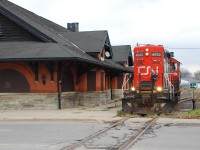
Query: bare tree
x=185 y=73
x=197 y=74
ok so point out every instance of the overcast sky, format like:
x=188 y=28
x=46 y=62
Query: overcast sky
x=172 y=23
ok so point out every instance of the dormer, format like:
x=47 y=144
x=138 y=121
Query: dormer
x=122 y=54
x=94 y=43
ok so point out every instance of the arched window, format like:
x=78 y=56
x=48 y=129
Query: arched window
x=12 y=81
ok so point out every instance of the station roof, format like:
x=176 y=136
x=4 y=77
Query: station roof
x=55 y=46
x=122 y=54
x=89 y=41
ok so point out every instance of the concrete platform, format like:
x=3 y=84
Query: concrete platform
x=101 y=114
x=104 y=113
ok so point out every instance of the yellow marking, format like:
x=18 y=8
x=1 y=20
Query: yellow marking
x=144 y=92
x=147 y=92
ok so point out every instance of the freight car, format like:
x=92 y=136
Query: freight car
x=156 y=80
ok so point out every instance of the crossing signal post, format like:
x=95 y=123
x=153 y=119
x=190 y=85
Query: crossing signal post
x=193 y=86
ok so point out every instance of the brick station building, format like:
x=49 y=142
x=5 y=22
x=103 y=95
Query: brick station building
x=46 y=66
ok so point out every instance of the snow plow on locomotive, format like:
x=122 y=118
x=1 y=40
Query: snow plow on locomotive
x=156 y=80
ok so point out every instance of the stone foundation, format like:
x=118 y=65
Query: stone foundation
x=117 y=94
x=45 y=101
x=28 y=101
x=73 y=99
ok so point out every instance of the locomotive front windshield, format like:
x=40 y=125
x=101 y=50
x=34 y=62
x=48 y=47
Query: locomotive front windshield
x=139 y=54
x=156 y=54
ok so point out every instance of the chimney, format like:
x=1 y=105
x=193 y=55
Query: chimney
x=74 y=27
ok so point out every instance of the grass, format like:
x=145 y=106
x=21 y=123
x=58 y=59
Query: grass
x=121 y=113
x=192 y=114
x=197 y=94
x=190 y=91
x=195 y=113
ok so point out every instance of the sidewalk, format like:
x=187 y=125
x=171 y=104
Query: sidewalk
x=104 y=113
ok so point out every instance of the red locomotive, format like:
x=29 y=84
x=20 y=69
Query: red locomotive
x=156 y=79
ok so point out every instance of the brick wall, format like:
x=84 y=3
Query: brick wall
x=35 y=87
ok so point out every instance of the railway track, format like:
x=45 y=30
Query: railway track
x=122 y=146
x=76 y=145
x=185 y=99
x=127 y=145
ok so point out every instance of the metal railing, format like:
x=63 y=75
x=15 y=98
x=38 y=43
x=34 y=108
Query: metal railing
x=125 y=82
x=169 y=84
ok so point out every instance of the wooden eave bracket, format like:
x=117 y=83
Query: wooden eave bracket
x=81 y=70
x=50 y=67
x=34 y=68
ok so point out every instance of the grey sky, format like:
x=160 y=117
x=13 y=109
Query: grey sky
x=172 y=23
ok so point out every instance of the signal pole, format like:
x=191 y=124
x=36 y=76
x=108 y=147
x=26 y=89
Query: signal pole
x=193 y=86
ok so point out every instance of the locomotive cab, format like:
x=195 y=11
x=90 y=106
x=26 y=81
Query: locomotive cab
x=175 y=78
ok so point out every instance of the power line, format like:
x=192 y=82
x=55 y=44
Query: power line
x=183 y=48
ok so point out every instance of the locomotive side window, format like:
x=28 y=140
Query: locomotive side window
x=174 y=66
x=156 y=54
x=139 y=54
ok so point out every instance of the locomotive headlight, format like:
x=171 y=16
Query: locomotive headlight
x=159 y=89
x=132 y=88
x=147 y=54
x=147 y=49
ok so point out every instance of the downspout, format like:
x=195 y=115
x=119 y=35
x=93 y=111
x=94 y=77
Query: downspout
x=58 y=84
x=111 y=90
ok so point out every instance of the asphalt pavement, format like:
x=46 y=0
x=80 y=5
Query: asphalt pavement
x=55 y=129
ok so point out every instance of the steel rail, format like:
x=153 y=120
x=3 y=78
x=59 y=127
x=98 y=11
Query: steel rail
x=185 y=99
x=127 y=145
x=76 y=145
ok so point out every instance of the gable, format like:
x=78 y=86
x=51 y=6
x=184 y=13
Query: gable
x=10 y=31
x=123 y=54
x=91 y=42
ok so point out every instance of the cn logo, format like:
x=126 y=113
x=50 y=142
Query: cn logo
x=145 y=70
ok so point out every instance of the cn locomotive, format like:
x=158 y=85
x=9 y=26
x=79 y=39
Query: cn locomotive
x=156 y=80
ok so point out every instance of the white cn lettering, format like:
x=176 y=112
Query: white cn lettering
x=148 y=70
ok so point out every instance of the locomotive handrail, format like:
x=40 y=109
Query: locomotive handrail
x=124 y=83
x=169 y=84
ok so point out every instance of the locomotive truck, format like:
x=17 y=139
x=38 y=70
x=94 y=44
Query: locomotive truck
x=156 y=80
